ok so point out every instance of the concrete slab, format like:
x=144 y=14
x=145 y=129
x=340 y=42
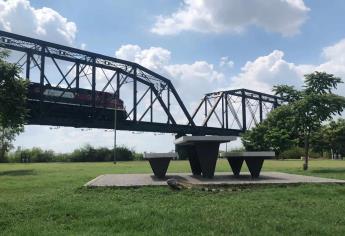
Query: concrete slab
x=221 y=178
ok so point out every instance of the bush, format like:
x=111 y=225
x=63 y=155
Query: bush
x=292 y=153
x=298 y=152
x=124 y=154
x=313 y=154
x=31 y=155
x=138 y=156
x=235 y=149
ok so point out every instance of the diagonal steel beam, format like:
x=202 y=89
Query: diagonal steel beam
x=212 y=110
x=216 y=112
x=233 y=112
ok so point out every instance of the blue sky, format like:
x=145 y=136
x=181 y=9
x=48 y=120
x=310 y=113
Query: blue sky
x=265 y=42
x=106 y=25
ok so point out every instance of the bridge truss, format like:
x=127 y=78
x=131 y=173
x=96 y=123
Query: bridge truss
x=152 y=102
x=239 y=109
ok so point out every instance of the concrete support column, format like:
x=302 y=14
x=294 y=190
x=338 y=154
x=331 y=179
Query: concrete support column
x=236 y=165
x=190 y=152
x=207 y=154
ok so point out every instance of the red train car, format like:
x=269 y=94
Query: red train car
x=75 y=96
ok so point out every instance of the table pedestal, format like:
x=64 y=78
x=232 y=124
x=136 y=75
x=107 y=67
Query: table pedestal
x=159 y=166
x=190 y=152
x=207 y=154
x=254 y=161
x=202 y=152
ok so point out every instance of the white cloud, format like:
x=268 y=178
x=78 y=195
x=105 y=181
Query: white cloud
x=335 y=52
x=234 y=16
x=226 y=62
x=272 y=69
x=266 y=71
x=128 y=52
x=334 y=59
x=18 y=16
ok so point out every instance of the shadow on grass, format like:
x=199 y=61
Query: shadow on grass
x=17 y=172
x=328 y=171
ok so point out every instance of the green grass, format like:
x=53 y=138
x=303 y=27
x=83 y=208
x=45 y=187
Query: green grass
x=48 y=199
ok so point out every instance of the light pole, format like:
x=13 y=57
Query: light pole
x=115 y=114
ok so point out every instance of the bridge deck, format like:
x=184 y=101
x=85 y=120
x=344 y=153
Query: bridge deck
x=69 y=115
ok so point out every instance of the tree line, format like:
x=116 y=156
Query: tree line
x=83 y=154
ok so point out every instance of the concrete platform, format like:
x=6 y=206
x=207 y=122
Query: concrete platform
x=221 y=178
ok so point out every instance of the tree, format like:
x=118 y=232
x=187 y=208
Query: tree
x=295 y=122
x=276 y=133
x=330 y=138
x=12 y=101
x=337 y=131
x=288 y=93
x=316 y=105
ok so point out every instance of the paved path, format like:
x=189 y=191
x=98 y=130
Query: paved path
x=220 y=178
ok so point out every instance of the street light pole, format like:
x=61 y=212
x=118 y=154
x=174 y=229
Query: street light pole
x=115 y=114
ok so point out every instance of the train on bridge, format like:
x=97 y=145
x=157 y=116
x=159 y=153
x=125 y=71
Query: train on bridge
x=75 y=96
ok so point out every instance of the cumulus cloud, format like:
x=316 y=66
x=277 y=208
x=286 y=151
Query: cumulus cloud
x=226 y=62
x=334 y=59
x=154 y=58
x=272 y=69
x=18 y=16
x=266 y=71
x=234 y=16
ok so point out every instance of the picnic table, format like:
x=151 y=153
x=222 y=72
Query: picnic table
x=202 y=152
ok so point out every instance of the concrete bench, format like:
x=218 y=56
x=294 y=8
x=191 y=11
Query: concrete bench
x=254 y=161
x=159 y=162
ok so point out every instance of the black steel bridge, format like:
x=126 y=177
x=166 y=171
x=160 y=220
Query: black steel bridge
x=151 y=100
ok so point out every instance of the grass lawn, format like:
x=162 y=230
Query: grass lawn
x=48 y=199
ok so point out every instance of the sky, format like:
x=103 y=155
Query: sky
x=214 y=44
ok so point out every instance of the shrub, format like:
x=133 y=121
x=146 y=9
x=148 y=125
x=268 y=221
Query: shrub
x=292 y=153
x=124 y=154
x=298 y=152
x=138 y=156
x=31 y=155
